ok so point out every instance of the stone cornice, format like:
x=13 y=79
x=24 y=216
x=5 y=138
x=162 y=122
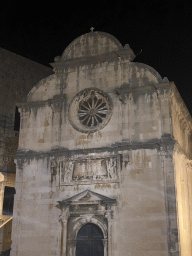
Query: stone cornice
x=123 y=54
x=78 y=199
x=183 y=154
x=117 y=148
x=126 y=90
x=120 y=91
x=37 y=104
x=149 y=87
x=165 y=147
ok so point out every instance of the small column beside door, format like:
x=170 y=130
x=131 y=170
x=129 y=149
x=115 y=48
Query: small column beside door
x=63 y=218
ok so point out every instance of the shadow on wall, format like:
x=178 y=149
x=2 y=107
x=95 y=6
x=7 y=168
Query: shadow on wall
x=6 y=253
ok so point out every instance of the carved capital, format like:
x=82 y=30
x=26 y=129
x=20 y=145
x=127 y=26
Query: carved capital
x=63 y=218
x=104 y=242
x=124 y=98
x=167 y=148
x=57 y=105
x=109 y=215
x=72 y=242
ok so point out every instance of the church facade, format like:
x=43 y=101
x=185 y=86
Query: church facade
x=104 y=158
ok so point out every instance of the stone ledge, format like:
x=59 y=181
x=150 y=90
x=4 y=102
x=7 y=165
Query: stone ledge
x=116 y=147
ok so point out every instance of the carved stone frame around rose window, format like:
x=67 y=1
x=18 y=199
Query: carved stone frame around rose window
x=75 y=105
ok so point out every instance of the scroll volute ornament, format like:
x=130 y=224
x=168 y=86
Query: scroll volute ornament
x=64 y=214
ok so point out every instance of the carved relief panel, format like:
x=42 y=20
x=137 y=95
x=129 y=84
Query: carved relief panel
x=66 y=171
x=92 y=169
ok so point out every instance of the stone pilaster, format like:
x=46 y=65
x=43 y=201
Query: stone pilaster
x=63 y=218
x=109 y=216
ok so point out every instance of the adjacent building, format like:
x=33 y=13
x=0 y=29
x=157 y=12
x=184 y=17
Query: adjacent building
x=18 y=76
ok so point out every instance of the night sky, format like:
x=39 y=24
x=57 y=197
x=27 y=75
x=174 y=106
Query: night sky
x=159 y=32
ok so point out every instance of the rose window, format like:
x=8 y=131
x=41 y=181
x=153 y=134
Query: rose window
x=90 y=110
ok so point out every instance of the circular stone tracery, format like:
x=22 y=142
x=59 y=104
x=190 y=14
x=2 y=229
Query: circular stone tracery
x=93 y=110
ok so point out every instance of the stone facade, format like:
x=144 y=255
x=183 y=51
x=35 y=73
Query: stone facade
x=105 y=142
x=18 y=75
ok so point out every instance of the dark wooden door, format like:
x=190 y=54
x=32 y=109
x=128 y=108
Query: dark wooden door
x=89 y=241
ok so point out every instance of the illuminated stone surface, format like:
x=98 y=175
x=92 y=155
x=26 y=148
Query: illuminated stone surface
x=121 y=176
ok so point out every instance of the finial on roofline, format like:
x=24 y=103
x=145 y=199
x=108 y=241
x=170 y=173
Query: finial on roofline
x=91 y=29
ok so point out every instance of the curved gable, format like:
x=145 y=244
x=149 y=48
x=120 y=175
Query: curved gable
x=141 y=74
x=45 y=89
x=91 y=44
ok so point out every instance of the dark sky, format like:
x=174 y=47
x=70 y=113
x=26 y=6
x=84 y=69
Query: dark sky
x=162 y=29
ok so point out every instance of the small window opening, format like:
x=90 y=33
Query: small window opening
x=8 y=201
x=17 y=120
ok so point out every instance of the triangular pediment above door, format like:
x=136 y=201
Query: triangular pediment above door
x=88 y=197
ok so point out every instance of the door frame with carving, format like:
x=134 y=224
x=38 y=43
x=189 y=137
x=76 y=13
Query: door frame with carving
x=81 y=209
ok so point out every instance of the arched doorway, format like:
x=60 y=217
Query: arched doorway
x=89 y=241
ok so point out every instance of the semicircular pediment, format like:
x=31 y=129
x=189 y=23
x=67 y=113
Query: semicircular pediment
x=91 y=44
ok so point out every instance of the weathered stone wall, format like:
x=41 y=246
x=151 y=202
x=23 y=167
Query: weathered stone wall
x=182 y=128
x=126 y=165
x=140 y=217
x=143 y=230
x=183 y=179
x=40 y=215
x=140 y=122
x=181 y=122
x=144 y=117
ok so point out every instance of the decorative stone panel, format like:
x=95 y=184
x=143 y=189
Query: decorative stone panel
x=87 y=170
